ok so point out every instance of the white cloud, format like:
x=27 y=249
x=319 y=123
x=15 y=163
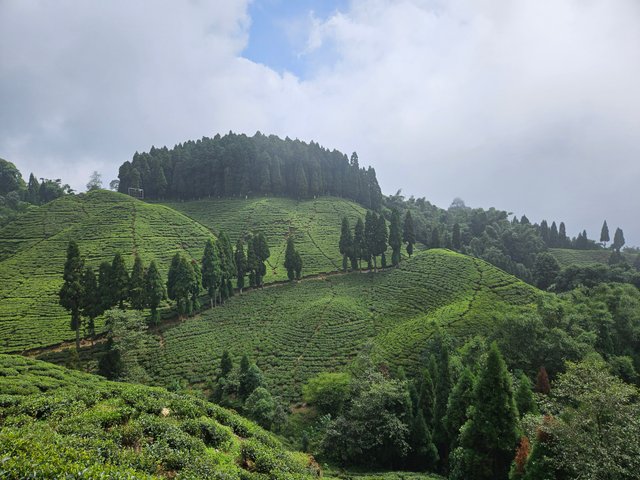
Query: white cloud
x=532 y=105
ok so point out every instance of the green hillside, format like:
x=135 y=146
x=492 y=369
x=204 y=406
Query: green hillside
x=33 y=248
x=566 y=256
x=314 y=224
x=58 y=423
x=295 y=331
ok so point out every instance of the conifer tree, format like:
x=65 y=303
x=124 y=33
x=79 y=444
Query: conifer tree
x=91 y=305
x=456 y=241
x=604 y=233
x=370 y=228
x=359 y=242
x=562 y=235
x=226 y=364
x=227 y=264
x=241 y=264
x=435 y=237
x=524 y=396
x=71 y=293
x=211 y=271
x=553 y=235
x=196 y=286
x=442 y=385
x=424 y=455
x=262 y=253
x=119 y=281
x=381 y=236
x=458 y=404
x=252 y=261
x=489 y=438
x=346 y=243
x=618 y=240
x=301 y=184
x=136 y=285
x=181 y=284
x=104 y=286
x=524 y=220
x=154 y=291
x=395 y=237
x=409 y=233
x=544 y=232
x=542 y=381
x=427 y=397
x=33 y=190
x=290 y=259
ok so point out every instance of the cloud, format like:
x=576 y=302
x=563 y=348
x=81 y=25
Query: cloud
x=532 y=106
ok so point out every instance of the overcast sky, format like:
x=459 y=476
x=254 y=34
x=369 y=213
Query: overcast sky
x=532 y=106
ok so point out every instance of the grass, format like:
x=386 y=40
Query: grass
x=314 y=224
x=57 y=423
x=33 y=250
x=566 y=257
x=298 y=330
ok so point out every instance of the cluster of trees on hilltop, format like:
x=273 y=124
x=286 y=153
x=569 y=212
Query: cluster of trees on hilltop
x=237 y=165
x=16 y=195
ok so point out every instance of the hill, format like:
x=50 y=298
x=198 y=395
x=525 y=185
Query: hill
x=566 y=257
x=314 y=224
x=57 y=422
x=33 y=249
x=294 y=331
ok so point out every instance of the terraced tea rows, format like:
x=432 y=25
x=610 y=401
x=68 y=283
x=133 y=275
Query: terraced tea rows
x=314 y=224
x=33 y=249
x=296 y=331
x=58 y=423
x=567 y=257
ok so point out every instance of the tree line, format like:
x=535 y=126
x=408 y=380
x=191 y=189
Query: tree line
x=237 y=166
x=88 y=294
x=371 y=239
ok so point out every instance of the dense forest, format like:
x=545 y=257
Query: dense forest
x=237 y=166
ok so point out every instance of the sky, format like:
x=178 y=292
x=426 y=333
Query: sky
x=530 y=106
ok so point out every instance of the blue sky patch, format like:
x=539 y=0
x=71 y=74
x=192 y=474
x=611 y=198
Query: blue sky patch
x=280 y=29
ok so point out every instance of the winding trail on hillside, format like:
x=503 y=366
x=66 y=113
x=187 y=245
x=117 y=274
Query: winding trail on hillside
x=176 y=320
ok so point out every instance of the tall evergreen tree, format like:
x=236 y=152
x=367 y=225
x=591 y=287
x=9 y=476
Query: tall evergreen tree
x=370 y=228
x=395 y=237
x=456 y=241
x=91 y=305
x=136 y=285
x=226 y=364
x=359 y=242
x=424 y=454
x=290 y=259
x=119 y=281
x=181 y=283
x=196 y=286
x=618 y=240
x=154 y=291
x=211 y=271
x=409 y=232
x=442 y=384
x=562 y=235
x=553 y=235
x=104 y=286
x=458 y=404
x=382 y=235
x=544 y=232
x=252 y=261
x=261 y=248
x=604 y=233
x=241 y=264
x=346 y=243
x=489 y=438
x=33 y=190
x=228 y=263
x=524 y=396
x=71 y=293
x=298 y=265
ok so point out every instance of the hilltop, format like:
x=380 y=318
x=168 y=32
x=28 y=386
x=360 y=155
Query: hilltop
x=57 y=422
x=33 y=247
x=294 y=331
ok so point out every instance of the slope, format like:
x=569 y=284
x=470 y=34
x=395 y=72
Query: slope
x=33 y=249
x=566 y=257
x=294 y=331
x=59 y=423
x=314 y=224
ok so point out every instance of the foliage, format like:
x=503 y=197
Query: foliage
x=260 y=407
x=58 y=423
x=328 y=392
x=72 y=292
x=226 y=167
x=373 y=428
x=488 y=439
